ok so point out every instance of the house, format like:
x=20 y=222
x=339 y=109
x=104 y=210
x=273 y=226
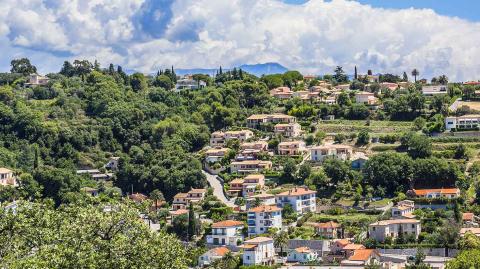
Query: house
x=180 y=201
x=138 y=197
x=226 y=233
x=291 y=148
x=288 y=129
x=473 y=230
x=389 y=85
x=361 y=257
x=37 y=80
x=95 y=174
x=329 y=100
x=256 y=145
x=258 y=251
x=250 y=166
x=112 y=163
x=236 y=187
x=329 y=230
x=466 y=122
x=90 y=191
x=260 y=199
x=393 y=227
x=367 y=98
x=343 y=87
x=215 y=154
x=319 y=153
x=338 y=245
x=262 y=218
x=302 y=255
x=251 y=183
x=282 y=93
x=435 y=193
x=196 y=195
x=179 y=212
x=469 y=220
x=434 y=89
x=7 y=177
x=211 y=255
x=189 y=84
x=257 y=120
x=301 y=199
x=403 y=209
x=219 y=138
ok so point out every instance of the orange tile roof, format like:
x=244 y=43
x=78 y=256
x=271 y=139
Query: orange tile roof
x=467 y=216
x=237 y=181
x=138 y=197
x=330 y=224
x=442 y=191
x=179 y=212
x=475 y=231
x=296 y=191
x=395 y=221
x=255 y=176
x=265 y=208
x=362 y=254
x=197 y=191
x=343 y=242
x=248 y=246
x=227 y=223
x=259 y=239
x=220 y=251
x=353 y=247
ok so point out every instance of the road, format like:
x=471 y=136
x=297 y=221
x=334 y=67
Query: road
x=215 y=183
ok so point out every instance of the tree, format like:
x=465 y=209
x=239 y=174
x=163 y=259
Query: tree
x=304 y=171
x=417 y=262
x=156 y=195
x=469 y=241
x=163 y=81
x=415 y=73
x=405 y=77
x=416 y=145
x=291 y=78
x=138 y=82
x=339 y=75
x=67 y=69
x=273 y=81
x=461 y=152
x=466 y=259
x=355 y=75
x=86 y=236
x=289 y=170
x=280 y=240
x=363 y=137
x=443 y=80
x=22 y=66
x=192 y=229
x=82 y=68
x=339 y=138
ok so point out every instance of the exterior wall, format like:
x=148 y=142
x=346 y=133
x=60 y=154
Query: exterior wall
x=7 y=179
x=318 y=155
x=260 y=222
x=291 y=149
x=295 y=256
x=380 y=232
x=434 y=89
x=462 y=122
x=263 y=254
x=301 y=203
x=291 y=130
x=247 y=167
x=228 y=236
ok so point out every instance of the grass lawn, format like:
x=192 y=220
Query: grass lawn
x=345 y=218
x=379 y=203
x=355 y=126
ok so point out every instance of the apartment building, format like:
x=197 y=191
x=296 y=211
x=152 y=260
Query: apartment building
x=393 y=227
x=301 y=199
x=291 y=148
x=236 y=187
x=262 y=218
x=288 y=129
x=255 y=121
x=258 y=251
x=320 y=153
x=226 y=233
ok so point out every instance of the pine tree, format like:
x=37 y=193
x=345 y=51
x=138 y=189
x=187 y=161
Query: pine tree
x=111 y=69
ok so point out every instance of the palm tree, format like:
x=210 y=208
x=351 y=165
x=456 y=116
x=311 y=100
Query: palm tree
x=415 y=73
x=443 y=79
x=156 y=195
x=280 y=240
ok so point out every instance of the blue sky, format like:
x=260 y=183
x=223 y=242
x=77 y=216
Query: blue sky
x=466 y=9
x=385 y=36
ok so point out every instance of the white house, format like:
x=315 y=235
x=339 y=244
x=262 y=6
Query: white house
x=258 y=251
x=301 y=199
x=262 y=218
x=288 y=129
x=37 y=80
x=226 y=233
x=250 y=166
x=393 y=227
x=189 y=84
x=291 y=148
x=403 y=209
x=7 y=178
x=260 y=199
x=367 y=98
x=302 y=255
x=219 y=138
x=213 y=254
x=466 y=122
x=319 y=153
x=256 y=120
x=434 y=89
x=215 y=154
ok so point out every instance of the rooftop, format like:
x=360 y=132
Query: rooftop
x=220 y=251
x=441 y=191
x=265 y=208
x=353 y=247
x=297 y=191
x=303 y=250
x=260 y=239
x=325 y=225
x=362 y=254
x=227 y=223
x=395 y=221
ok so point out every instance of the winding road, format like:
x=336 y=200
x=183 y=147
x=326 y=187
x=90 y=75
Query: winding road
x=217 y=186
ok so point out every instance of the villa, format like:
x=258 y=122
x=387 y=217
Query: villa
x=367 y=98
x=403 y=209
x=282 y=93
x=434 y=89
x=466 y=122
x=250 y=166
x=320 y=153
x=226 y=233
x=301 y=199
x=255 y=121
x=215 y=154
x=7 y=178
x=219 y=139
x=37 y=80
x=302 y=255
x=212 y=255
x=292 y=148
x=288 y=129
x=435 y=193
x=380 y=230
x=329 y=230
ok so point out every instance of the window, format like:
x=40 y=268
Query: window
x=413 y=226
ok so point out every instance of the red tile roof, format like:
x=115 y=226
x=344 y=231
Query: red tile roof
x=220 y=251
x=442 y=191
x=467 y=216
x=353 y=247
x=362 y=254
x=326 y=225
x=265 y=208
x=227 y=223
x=296 y=192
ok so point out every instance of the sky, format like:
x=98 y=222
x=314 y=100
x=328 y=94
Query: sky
x=387 y=36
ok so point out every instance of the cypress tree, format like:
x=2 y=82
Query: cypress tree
x=355 y=76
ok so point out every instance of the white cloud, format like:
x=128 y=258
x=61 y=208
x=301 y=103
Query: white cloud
x=313 y=38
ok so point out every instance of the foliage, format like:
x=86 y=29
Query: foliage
x=466 y=259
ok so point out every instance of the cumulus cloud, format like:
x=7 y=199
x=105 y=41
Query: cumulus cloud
x=314 y=37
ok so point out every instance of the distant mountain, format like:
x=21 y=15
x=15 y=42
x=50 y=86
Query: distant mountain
x=255 y=69
x=264 y=69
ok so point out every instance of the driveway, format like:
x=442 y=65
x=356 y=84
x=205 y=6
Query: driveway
x=217 y=186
